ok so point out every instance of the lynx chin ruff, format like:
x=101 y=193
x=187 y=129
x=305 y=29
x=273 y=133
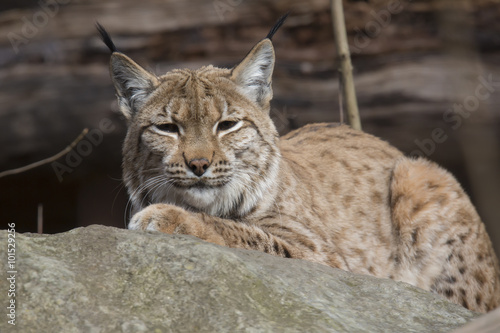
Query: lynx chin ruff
x=202 y=157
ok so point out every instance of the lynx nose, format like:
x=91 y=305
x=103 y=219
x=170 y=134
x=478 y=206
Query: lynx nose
x=199 y=166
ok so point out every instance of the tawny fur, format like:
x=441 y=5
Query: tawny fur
x=324 y=193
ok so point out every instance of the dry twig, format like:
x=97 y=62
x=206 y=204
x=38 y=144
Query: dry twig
x=47 y=160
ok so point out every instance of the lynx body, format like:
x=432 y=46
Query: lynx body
x=202 y=157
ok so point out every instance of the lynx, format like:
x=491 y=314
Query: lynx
x=202 y=157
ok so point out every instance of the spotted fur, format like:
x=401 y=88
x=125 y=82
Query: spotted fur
x=202 y=157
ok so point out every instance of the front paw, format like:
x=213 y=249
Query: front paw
x=158 y=217
x=174 y=220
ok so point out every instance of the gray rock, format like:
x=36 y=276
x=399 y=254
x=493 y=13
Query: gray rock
x=102 y=279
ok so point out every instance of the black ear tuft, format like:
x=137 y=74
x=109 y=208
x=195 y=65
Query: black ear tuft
x=106 y=38
x=278 y=24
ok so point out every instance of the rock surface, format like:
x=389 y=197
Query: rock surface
x=103 y=279
x=55 y=81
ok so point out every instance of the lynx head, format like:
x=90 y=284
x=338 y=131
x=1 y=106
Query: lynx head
x=200 y=139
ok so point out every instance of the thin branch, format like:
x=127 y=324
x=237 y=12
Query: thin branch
x=341 y=101
x=40 y=219
x=345 y=66
x=47 y=160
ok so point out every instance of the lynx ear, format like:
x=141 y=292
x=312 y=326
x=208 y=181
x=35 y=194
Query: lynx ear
x=253 y=75
x=133 y=83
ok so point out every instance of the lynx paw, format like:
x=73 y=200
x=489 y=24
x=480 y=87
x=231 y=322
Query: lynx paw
x=158 y=217
x=174 y=220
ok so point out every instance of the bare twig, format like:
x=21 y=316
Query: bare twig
x=47 y=160
x=345 y=66
x=40 y=219
x=341 y=101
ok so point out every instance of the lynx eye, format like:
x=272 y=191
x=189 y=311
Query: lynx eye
x=225 y=125
x=167 y=128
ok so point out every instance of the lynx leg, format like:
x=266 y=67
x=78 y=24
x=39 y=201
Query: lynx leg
x=442 y=245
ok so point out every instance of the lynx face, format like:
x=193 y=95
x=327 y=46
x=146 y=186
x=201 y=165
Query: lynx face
x=203 y=139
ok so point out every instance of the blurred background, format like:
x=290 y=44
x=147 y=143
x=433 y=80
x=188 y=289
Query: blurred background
x=427 y=74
